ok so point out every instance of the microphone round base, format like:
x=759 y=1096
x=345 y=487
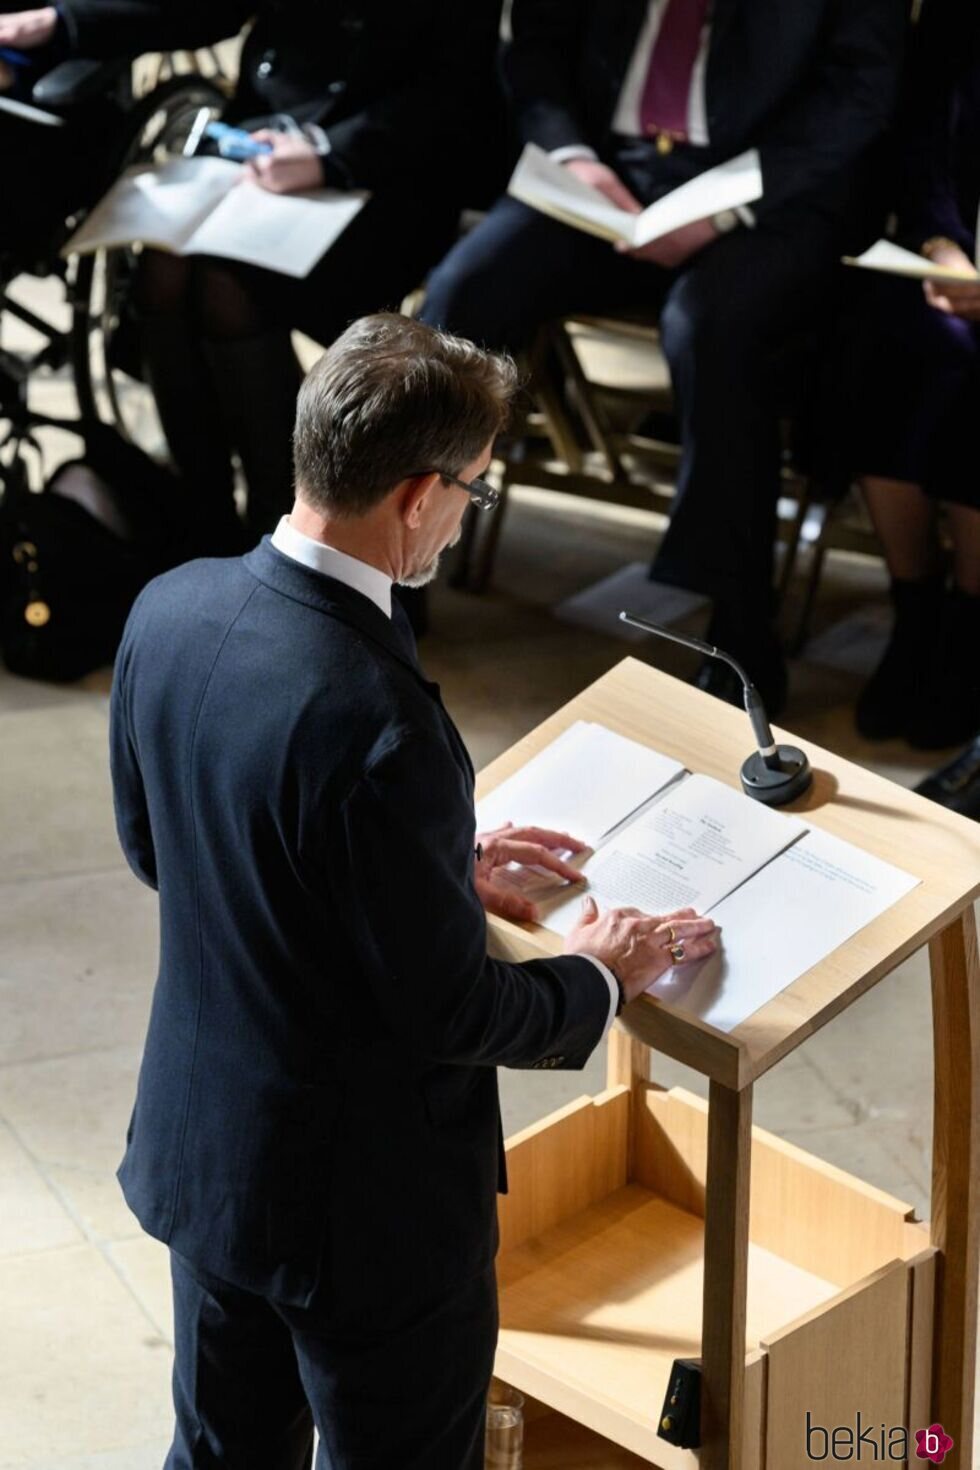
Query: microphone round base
x=780 y=785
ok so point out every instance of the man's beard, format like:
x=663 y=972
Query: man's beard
x=430 y=571
x=424 y=576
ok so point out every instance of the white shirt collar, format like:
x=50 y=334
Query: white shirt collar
x=332 y=563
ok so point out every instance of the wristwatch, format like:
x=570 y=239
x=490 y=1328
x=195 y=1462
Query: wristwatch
x=725 y=221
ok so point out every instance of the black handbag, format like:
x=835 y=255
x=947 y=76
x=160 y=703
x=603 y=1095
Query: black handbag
x=74 y=556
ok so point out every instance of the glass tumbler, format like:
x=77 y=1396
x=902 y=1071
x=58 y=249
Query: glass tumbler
x=505 y=1428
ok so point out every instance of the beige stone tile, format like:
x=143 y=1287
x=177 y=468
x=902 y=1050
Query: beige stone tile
x=82 y=1368
x=32 y=1217
x=55 y=804
x=134 y=1457
x=71 y=1114
x=77 y=963
x=877 y=1055
x=144 y=1265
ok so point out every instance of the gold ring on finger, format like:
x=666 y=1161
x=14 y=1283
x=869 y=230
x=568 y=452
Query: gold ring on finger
x=672 y=932
x=676 y=952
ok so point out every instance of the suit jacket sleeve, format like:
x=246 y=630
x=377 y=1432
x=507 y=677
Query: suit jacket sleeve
x=438 y=101
x=402 y=877
x=811 y=149
x=128 y=791
x=541 y=71
x=104 y=28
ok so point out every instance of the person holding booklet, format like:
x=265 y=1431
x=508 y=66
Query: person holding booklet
x=637 y=97
x=914 y=397
x=391 y=98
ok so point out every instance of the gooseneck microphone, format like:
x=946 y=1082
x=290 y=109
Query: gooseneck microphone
x=774 y=774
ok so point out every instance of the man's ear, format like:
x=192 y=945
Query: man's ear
x=414 y=497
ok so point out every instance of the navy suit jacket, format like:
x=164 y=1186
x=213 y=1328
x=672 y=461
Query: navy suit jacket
x=317 y=1114
x=810 y=83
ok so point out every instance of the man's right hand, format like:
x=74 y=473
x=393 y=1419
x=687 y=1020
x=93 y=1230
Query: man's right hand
x=636 y=946
x=26 y=29
x=599 y=176
x=951 y=297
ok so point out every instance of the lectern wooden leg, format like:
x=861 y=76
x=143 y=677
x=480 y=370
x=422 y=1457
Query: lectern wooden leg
x=956 y=1176
x=726 y=1248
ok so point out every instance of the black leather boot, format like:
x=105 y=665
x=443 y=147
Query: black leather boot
x=257 y=379
x=899 y=683
x=190 y=413
x=949 y=711
x=746 y=632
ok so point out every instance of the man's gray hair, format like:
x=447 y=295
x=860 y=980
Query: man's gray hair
x=392 y=398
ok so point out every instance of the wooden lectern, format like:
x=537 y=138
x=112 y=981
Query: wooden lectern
x=644 y=1225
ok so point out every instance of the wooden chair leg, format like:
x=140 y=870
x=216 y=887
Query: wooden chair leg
x=955 y=1224
x=726 y=1257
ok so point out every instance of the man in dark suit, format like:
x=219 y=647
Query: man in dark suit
x=316 y=1132
x=637 y=97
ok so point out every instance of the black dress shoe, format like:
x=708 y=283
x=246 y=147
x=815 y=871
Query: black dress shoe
x=744 y=630
x=957 y=785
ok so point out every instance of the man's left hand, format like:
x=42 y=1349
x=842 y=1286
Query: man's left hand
x=292 y=166
x=531 y=847
x=673 y=250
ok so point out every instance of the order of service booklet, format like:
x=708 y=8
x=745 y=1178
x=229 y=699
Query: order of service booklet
x=551 y=188
x=208 y=206
x=783 y=894
x=894 y=260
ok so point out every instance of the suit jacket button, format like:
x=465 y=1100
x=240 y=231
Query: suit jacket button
x=336 y=88
x=267 y=65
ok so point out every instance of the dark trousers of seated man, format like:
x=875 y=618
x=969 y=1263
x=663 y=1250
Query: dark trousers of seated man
x=721 y=317
x=252 y=1378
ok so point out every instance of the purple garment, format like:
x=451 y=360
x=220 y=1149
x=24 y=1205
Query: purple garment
x=667 y=89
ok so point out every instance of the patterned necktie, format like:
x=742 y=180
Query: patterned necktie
x=667 y=89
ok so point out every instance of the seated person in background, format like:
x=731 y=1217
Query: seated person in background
x=382 y=96
x=70 y=160
x=636 y=98
x=916 y=397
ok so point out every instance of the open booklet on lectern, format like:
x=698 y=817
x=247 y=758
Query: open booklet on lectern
x=784 y=894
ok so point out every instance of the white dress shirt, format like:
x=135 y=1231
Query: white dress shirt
x=332 y=563
x=377 y=586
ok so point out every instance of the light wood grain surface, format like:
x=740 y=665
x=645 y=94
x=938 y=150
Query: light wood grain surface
x=940 y=848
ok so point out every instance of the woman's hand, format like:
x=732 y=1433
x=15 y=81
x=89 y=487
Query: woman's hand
x=26 y=29
x=292 y=166
x=639 y=947
x=952 y=297
x=533 y=847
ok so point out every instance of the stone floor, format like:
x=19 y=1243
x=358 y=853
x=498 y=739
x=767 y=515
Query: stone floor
x=84 y=1302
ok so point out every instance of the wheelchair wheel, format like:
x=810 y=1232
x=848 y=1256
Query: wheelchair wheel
x=104 y=350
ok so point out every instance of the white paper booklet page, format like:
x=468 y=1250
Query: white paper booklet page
x=698 y=842
x=552 y=189
x=585 y=783
x=205 y=206
x=893 y=260
x=785 y=920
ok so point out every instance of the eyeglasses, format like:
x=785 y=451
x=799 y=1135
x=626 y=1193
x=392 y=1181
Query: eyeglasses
x=483 y=495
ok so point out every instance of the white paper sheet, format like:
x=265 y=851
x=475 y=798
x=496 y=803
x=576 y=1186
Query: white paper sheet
x=549 y=187
x=893 y=260
x=782 y=922
x=205 y=206
x=585 y=783
x=689 y=849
